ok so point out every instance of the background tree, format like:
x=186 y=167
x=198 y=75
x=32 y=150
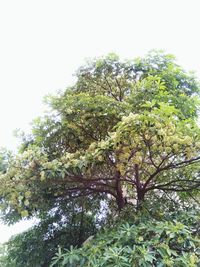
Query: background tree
x=68 y=225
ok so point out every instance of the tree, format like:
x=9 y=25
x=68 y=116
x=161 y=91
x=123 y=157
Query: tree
x=36 y=246
x=124 y=131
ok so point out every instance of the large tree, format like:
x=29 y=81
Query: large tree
x=124 y=131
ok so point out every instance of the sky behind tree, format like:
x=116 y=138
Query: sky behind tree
x=44 y=42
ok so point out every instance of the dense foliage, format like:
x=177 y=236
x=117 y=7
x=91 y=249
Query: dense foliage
x=123 y=137
x=123 y=124
x=141 y=243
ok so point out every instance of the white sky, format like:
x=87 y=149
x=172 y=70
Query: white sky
x=43 y=42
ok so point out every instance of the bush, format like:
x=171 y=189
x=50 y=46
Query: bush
x=143 y=244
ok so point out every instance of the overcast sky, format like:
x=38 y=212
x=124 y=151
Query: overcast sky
x=43 y=42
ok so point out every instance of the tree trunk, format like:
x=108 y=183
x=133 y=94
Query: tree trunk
x=80 y=237
x=121 y=201
x=140 y=198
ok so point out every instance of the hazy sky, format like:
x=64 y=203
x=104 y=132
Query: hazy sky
x=43 y=42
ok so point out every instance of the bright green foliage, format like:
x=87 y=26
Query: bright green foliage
x=143 y=243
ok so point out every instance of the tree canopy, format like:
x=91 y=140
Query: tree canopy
x=125 y=134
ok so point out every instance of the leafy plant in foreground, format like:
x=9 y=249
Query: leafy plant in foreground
x=147 y=243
